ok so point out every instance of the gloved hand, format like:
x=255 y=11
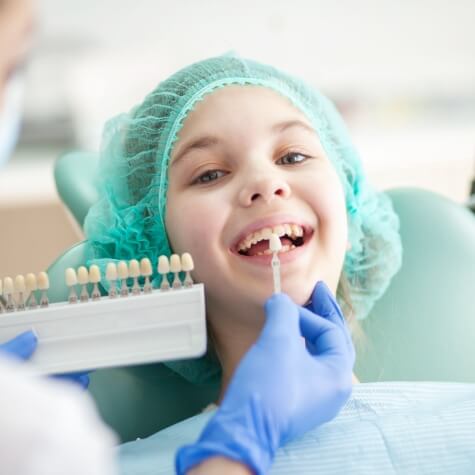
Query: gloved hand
x=281 y=388
x=23 y=346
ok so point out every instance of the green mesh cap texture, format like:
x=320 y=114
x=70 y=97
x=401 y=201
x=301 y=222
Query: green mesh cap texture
x=128 y=221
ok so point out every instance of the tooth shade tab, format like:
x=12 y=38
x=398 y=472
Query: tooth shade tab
x=123 y=270
x=20 y=283
x=187 y=262
x=274 y=243
x=43 y=281
x=94 y=274
x=8 y=287
x=134 y=268
x=111 y=272
x=31 y=284
x=146 y=267
x=163 y=265
x=71 y=277
x=175 y=263
x=83 y=275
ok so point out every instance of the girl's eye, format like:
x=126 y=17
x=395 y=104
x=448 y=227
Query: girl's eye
x=292 y=158
x=209 y=176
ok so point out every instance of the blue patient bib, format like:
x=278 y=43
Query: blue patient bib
x=385 y=428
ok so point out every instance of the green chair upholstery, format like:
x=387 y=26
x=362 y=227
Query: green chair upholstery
x=74 y=177
x=423 y=328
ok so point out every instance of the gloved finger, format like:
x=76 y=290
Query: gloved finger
x=22 y=346
x=282 y=319
x=324 y=304
x=322 y=336
x=82 y=379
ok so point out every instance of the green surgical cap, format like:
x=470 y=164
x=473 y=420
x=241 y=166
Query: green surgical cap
x=128 y=221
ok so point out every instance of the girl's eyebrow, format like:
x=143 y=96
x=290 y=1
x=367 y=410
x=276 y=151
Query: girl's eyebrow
x=210 y=141
x=199 y=143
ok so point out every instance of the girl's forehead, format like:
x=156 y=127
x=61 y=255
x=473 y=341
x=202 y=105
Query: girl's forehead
x=239 y=107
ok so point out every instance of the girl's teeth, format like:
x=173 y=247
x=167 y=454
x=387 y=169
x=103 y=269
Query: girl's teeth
x=292 y=230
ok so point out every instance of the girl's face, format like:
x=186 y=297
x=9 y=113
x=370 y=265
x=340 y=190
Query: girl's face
x=247 y=163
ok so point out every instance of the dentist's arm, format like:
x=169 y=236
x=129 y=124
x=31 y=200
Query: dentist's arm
x=280 y=390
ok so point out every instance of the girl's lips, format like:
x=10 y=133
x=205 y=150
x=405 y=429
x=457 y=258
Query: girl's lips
x=288 y=256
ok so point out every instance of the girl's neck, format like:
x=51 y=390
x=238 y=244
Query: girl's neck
x=232 y=337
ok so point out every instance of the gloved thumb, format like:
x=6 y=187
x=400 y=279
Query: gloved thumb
x=282 y=318
x=324 y=304
x=22 y=346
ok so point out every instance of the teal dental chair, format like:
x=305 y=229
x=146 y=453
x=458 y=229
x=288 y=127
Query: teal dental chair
x=423 y=328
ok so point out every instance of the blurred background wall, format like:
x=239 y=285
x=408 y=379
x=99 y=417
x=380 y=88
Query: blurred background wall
x=402 y=73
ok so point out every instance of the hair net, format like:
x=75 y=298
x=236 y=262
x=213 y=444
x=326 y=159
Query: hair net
x=128 y=221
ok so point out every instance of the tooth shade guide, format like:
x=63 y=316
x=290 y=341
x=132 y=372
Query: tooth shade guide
x=146 y=271
x=123 y=272
x=111 y=277
x=8 y=290
x=43 y=285
x=163 y=270
x=134 y=272
x=175 y=267
x=187 y=265
x=83 y=280
x=95 y=278
x=21 y=289
x=31 y=287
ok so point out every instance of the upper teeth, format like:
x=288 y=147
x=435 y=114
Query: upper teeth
x=291 y=230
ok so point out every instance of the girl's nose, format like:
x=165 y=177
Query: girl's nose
x=265 y=189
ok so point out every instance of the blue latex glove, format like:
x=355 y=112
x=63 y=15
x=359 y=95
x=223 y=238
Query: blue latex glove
x=23 y=346
x=281 y=388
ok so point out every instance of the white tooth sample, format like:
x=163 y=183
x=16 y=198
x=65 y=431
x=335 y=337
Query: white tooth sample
x=31 y=286
x=83 y=275
x=95 y=278
x=8 y=289
x=175 y=267
x=94 y=274
x=134 y=272
x=43 y=281
x=274 y=246
x=274 y=243
x=111 y=272
x=146 y=271
x=123 y=271
x=187 y=266
x=71 y=277
x=20 y=284
x=111 y=276
x=83 y=279
x=163 y=265
x=163 y=270
x=71 y=281
x=145 y=267
x=21 y=289
x=134 y=268
x=43 y=285
x=279 y=230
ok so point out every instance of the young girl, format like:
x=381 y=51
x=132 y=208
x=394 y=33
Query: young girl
x=217 y=157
